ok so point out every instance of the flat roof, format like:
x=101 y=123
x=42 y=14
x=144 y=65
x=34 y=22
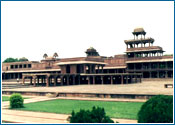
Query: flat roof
x=44 y=70
x=142 y=61
x=145 y=50
x=80 y=62
x=115 y=67
x=109 y=74
x=149 y=39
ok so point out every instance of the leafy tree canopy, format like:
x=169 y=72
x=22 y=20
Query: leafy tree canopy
x=10 y=59
x=158 y=109
x=168 y=55
x=96 y=115
x=23 y=59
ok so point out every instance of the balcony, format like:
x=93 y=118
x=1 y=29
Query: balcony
x=139 y=40
x=149 y=59
x=150 y=69
x=141 y=49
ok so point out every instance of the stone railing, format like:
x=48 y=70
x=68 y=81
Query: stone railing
x=149 y=58
x=144 y=48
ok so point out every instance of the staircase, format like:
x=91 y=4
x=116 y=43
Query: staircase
x=12 y=84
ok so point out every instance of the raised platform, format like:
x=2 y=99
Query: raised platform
x=84 y=95
x=143 y=90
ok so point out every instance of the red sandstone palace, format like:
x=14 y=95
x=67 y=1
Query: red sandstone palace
x=142 y=60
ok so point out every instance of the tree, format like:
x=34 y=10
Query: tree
x=158 y=109
x=10 y=59
x=23 y=59
x=45 y=56
x=55 y=55
x=96 y=115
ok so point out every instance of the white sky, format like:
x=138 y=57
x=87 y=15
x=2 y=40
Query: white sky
x=32 y=28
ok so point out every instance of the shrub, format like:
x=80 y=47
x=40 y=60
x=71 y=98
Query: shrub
x=16 y=101
x=158 y=109
x=96 y=115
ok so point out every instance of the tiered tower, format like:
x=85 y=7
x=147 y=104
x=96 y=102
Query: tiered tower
x=143 y=57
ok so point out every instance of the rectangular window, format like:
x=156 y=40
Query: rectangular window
x=25 y=65
x=11 y=66
x=20 y=66
x=29 y=65
x=16 y=66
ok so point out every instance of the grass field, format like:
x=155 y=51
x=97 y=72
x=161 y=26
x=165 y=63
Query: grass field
x=127 y=110
x=7 y=98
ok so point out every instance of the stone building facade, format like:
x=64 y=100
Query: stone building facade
x=142 y=60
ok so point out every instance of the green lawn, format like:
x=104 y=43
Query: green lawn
x=113 y=109
x=7 y=98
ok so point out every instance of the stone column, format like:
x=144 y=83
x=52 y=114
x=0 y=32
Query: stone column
x=140 y=79
x=18 y=76
x=84 y=68
x=157 y=65
x=135 y=78
x=166 y=65
x=166 y=74
x=88 y=80
x=44 y=79
x=102 y=69
x=126 y=79
x=38 y=80
x=13 y=75
x=102 y=82
x=62 y=80
x=47 y=80
x=73 y=80
x=121 y=79
x=98 y=69
x=93 y=79
x=55 y=80
x=67 y=80
x=149 y=64
x=34 y=80
x=31 y=81
x=91 y=68
x=131 y=78
x=79 y=80
x=23 y=80
x=111 y=78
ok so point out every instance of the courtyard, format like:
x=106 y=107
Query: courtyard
x=37 y=107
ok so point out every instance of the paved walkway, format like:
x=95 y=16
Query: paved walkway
x=17 y=116
x=146 y=87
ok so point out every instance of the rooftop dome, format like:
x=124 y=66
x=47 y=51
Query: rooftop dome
x=91 y=49
x=138 y=31
x=91 y=52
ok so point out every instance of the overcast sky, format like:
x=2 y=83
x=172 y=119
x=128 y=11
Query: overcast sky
x=32 y=28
